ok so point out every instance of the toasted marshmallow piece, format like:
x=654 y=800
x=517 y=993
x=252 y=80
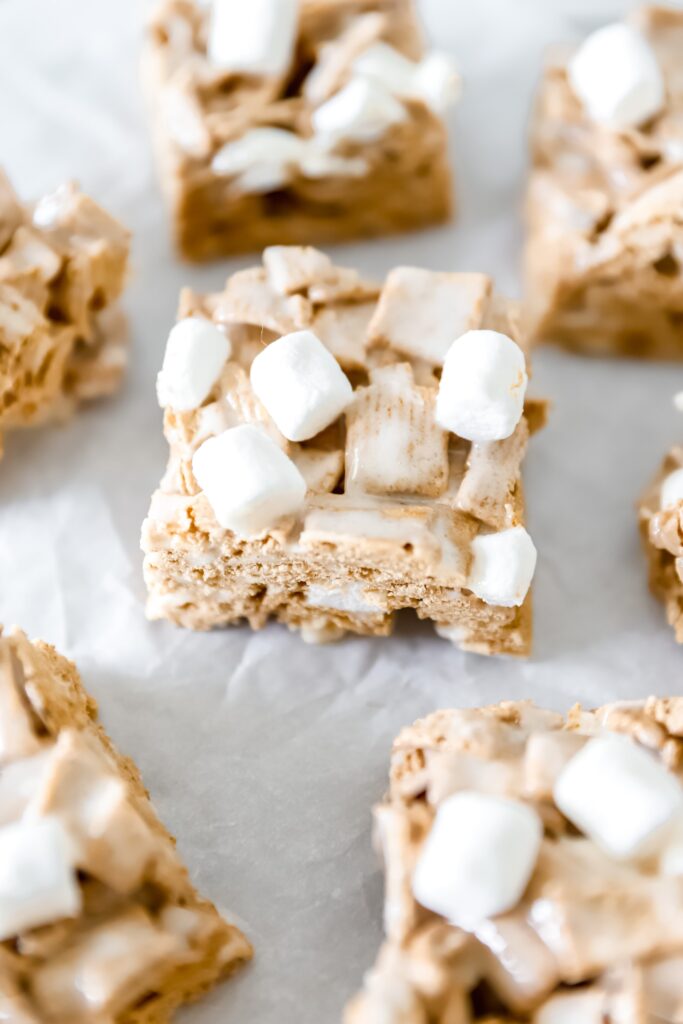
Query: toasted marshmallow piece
x=482 y=388
x=503 y=566
x=255 y=38
x=37 y=879
x=196 y=352
x=248 y=481
x=478 y=858
x=616 y=76
x=301 y=385
x=619 y=795
x=262 y=160
x=362 y=110
x=671 y=491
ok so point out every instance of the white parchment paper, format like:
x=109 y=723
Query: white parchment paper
x=265 y=755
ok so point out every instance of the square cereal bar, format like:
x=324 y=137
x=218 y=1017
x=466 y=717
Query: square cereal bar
x=661 y=526
x=310 y=475
x=288 y=122
x=605 y=235
x=98 y=918
x=533 y=869
x=63 y=337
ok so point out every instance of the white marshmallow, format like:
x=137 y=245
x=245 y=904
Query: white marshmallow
x=301 y=385
x=616 y=76
x=434 y=79
x=386 y=66
x=482 y=388
x=503 y=566
x=196 y=352
x=678 y=401
x=248 y=481
x=437 y=81
x=619 y=795
x=671 y=491
x=254 y=38
x=37 y=879
x=362 y=110
x=478 y=858
x=273 y=152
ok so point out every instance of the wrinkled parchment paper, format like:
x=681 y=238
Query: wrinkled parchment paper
x=264 y=755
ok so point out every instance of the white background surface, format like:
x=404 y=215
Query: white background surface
x=262 y=754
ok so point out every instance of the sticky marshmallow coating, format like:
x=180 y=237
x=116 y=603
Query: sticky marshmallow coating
x=482 y=388
x=196 y=352
x=478 y=858
x=672 y=489
x=37 y=878
x=616 y=76
x=301 y=385
x=249 y=482
x=362 y=110
x=586 y=1007
x=255 y=38
x=619 y=795
x=503 y=566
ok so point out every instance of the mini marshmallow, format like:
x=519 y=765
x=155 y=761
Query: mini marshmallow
x=482 y=388
x=262 y=160
x=437 y=81
x=248 y=480
x=478 y=858
x=616 y=76
x=362 y=110
x=386 y=66
x=619 y=794
x=434 y=79
x=37 y=879
x=196 y=352
x=301 y=385
x=255 y=38
x=503 y=566
x=671 y=491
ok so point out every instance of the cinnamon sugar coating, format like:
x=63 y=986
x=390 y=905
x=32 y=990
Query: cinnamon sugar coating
x=396 y=182
x=142 y=941
x=603 y=270
x=393 y=502
x=592 y=940
x=63 y=337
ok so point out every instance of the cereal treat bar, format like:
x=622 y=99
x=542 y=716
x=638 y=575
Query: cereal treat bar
x=341 y=450
x=534 y=869
x=63 y=337
x=98 y=918
x=603 y=259
x=661 y=526
x=296 y=121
